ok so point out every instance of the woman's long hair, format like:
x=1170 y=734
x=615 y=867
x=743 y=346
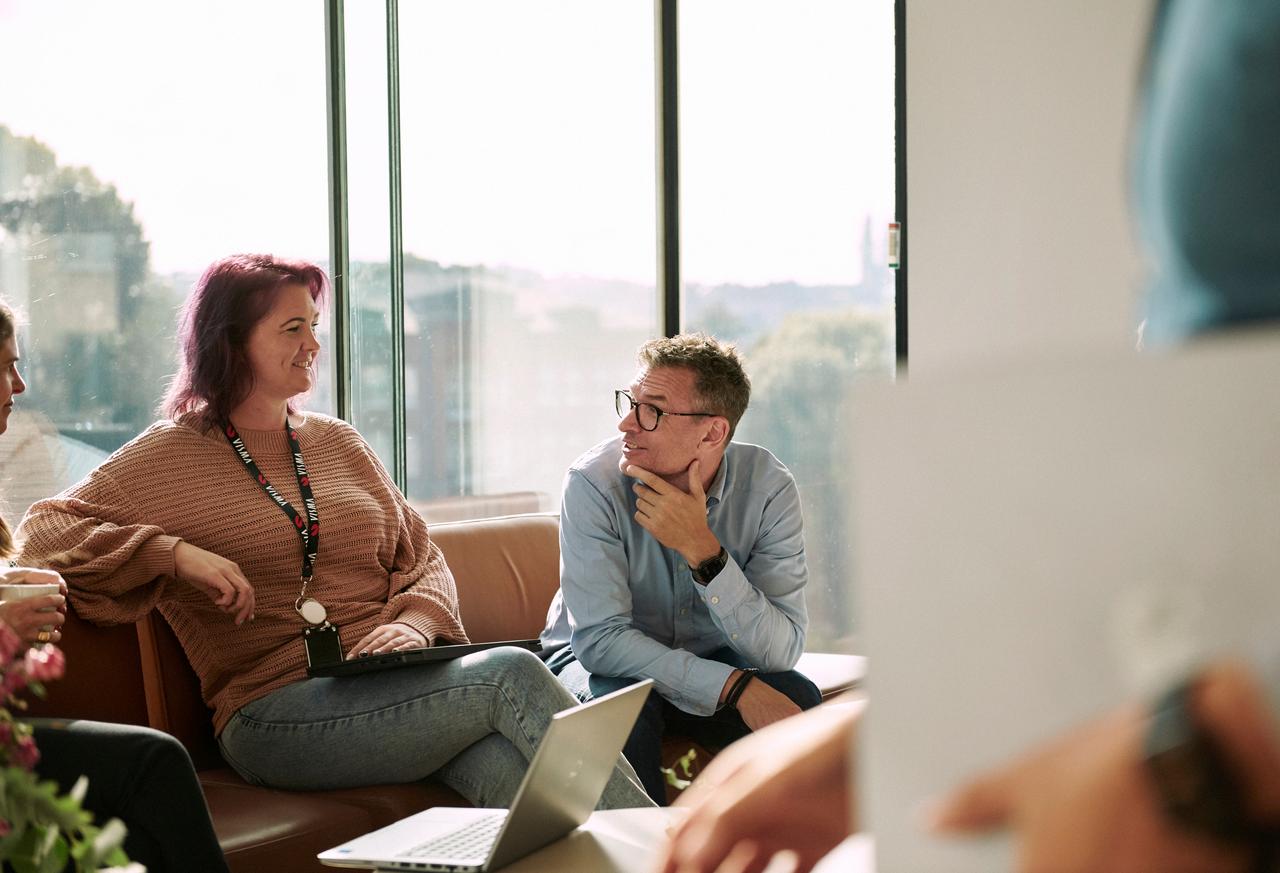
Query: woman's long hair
x=8 y=324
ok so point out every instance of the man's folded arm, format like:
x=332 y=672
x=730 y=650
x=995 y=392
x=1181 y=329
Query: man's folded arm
x=760 y=606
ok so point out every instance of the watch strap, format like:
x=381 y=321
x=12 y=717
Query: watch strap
x=710 y=568
x=1196 y=788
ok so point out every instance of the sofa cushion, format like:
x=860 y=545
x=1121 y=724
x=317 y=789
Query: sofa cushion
x=260 y=826
x=262 y=830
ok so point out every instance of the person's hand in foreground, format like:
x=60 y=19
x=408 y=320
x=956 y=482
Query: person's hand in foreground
x=1086 y=802
x=787 y=787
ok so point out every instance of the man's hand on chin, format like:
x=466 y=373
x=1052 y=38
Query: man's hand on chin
x=675 y=518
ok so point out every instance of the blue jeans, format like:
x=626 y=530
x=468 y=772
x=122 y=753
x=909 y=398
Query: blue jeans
x=474 y=723
x=644 y=746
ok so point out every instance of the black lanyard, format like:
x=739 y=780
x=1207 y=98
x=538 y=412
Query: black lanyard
x=308 y=530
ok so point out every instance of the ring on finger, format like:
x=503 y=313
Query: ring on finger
x=44 y=636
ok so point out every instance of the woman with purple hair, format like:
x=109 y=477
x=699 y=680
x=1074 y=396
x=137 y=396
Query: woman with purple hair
x=268 y=536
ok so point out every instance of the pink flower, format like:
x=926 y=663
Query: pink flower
x=10 y=644
x=25 y=753
x=44 y=663
x=15 y=679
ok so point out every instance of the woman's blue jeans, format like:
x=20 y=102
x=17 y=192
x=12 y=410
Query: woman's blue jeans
x=473 y=723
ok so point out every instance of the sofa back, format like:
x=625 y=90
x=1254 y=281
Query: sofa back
x=506 y=569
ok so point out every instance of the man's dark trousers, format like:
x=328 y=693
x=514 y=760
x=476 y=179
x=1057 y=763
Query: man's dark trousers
x=644 y=746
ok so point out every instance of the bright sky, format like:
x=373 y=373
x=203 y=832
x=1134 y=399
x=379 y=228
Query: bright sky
x=528 y=128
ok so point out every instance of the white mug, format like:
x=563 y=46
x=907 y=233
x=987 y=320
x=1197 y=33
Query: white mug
x=19 y=591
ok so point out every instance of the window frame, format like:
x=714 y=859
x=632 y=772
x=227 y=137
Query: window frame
x=667 y=232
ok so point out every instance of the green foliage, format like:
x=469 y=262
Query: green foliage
x=84 y=249
x=42 y=830
x=804 y=375
x=685 y=765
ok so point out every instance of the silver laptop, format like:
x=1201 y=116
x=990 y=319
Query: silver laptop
x=560 y=790
x=1036 y=544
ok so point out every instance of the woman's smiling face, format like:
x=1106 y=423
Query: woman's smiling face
x=282 y=346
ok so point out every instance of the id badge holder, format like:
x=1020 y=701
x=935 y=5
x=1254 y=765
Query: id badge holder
x=322 y=644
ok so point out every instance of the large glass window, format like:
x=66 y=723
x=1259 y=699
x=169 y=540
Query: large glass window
x=787 y=187
x=145 y=140
x=530 y=257
x=149 y=138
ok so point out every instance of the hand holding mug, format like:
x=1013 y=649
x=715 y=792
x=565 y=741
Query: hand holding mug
x=33 y=602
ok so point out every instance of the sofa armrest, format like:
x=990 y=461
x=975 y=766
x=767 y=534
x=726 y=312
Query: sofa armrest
x=103 y=680
x=174 y=702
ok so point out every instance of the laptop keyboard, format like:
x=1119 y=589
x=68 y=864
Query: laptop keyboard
x=469 y=841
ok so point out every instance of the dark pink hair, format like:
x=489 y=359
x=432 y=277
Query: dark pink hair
x=232 y=296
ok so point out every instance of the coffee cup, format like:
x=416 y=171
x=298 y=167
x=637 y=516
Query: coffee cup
x=18 y=591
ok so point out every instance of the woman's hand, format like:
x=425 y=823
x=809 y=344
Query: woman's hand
x=217 y=577
x=388 y=638
x=32 y=616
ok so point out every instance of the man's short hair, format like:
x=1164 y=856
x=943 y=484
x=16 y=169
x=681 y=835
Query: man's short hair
x=720 y=381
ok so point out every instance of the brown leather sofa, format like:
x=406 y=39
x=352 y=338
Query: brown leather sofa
x=507 y=570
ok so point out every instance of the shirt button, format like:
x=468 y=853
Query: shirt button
x=683 y=611
x=715 y=599
x=733 y=636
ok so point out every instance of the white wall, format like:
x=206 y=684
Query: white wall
x=1018 y=225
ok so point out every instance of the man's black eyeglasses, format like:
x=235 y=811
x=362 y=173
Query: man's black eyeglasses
x=647 y=415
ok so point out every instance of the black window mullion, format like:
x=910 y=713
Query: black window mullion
x=339 y=243
x=668 y=144
x=900 y=179
x=400 y=466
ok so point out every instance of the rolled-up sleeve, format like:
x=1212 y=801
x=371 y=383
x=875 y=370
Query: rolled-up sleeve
x=760 y=604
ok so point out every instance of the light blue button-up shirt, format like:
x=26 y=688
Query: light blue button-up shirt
x=629 y=606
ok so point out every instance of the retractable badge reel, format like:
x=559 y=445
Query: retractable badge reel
x=311 y=610
x=320 y=638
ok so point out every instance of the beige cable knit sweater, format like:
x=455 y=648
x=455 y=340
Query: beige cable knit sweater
x=112 y=537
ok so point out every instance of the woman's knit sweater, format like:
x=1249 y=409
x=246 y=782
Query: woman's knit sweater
x=112 y=536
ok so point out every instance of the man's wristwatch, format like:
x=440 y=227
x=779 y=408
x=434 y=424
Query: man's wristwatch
x=1196 y=788
x=710 y=568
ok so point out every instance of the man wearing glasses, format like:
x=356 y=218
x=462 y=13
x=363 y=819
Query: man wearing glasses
x=682 y=560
